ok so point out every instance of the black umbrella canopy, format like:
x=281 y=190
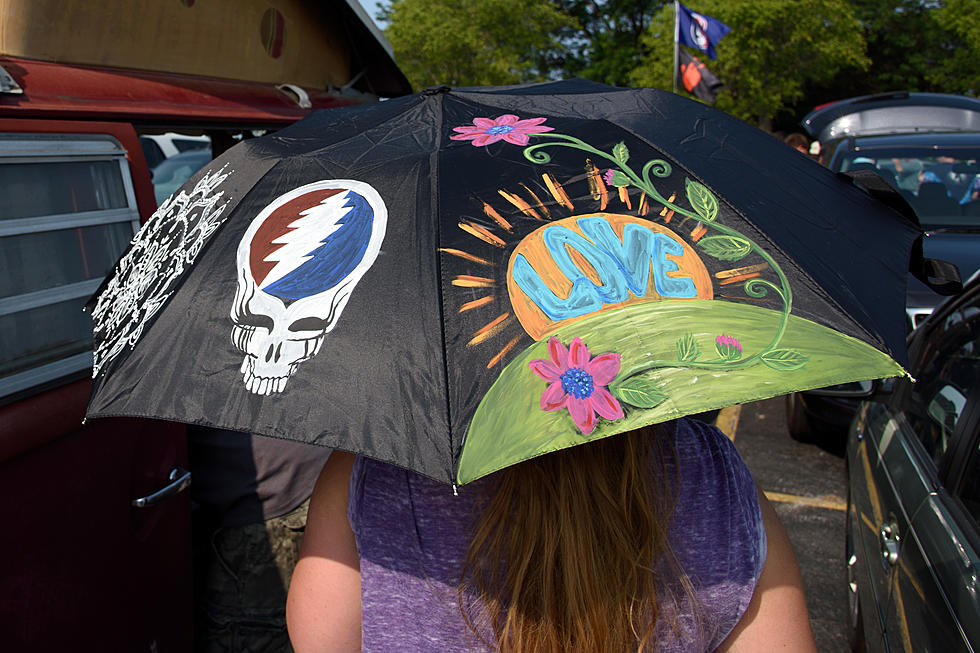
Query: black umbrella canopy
x=462 y=279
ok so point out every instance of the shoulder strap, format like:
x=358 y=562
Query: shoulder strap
x=941 y=276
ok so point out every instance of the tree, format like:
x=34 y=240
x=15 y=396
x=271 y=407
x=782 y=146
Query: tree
x=606 y=43
x=913 y=45
x=775 y=48
x=473 y=42
x=957 y=71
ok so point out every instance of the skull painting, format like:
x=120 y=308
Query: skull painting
x=298 y=263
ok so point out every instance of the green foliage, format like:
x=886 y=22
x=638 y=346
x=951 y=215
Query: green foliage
x=473 y=42
x=725 y=248
x=606 y=43
x=913 y=46
x=775 y=48
x=957 y=71
x=639 y=391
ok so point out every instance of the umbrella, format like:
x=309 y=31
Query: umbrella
x=459 y=280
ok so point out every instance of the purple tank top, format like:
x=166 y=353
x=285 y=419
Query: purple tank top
x=412 y=546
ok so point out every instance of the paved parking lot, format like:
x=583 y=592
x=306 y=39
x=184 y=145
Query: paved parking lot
x=808 y=488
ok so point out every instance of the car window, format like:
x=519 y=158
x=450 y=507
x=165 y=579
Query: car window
x=151 y=151
x=171 y=174
x=946 y=377
x=970 y=490
x=68 y=213
x=943 y=186
x=188 y=145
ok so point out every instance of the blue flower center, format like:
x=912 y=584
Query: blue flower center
x=577 y=382
x=500 y=129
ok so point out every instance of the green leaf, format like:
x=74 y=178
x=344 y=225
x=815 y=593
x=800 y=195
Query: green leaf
x=785 y=360
x=638 y=391
x=619 y=179
x=725 y=248
x=621 y=152
x=687 y=349
x=702 y=200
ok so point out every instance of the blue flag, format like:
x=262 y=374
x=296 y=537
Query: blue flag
x=699 y=31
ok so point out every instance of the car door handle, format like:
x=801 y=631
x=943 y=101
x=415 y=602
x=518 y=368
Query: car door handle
x=889 y=540
x=180 y=479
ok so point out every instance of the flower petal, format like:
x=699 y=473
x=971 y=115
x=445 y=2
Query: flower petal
x=507 y=119
x=516 y=137
x=545 y=369
x=604 y=368
x=469 y=129
x=465 y=137
x=558 y=353
x=535 y=129
x=554 y=397
x=484 y=123
x=486 y=139
x=582 y=414
x=605 y=404
x=578 y=354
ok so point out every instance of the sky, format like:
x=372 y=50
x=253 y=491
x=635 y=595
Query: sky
x=371 y=7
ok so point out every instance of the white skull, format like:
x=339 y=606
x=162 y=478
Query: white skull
x=317 y=242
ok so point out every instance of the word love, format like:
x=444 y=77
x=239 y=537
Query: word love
x=581 y=265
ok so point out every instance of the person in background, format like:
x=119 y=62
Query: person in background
x=250 y=497
x=652 y=540
x=798 y=142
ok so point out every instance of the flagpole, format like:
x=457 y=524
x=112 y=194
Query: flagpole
x=677 y=38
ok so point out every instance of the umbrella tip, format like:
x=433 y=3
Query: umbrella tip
x=436 y=90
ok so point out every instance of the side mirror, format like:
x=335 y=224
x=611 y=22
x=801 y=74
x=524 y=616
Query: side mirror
x=853 y=390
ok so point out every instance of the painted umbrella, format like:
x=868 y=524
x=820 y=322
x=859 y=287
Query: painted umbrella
x=459 y=280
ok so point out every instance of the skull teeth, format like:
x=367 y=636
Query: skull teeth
x=262 y=385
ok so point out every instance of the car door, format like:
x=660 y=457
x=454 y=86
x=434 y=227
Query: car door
x=95 y=544
x=932 y=595
x=887 y=486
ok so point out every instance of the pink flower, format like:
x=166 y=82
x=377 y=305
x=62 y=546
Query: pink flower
x=608 y=176
x=507 y=127
x=728 y=347
x=578 y=382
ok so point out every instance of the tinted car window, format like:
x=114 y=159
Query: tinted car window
x=942 y=186
x=947 y=377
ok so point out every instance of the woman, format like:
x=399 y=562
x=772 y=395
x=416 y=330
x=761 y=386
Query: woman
x=652 y=540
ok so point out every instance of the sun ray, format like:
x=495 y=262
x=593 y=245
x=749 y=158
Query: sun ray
x=740 y=278
x=491 y=329
x=538 y=202
x=597 y=186
x=503 y=352
x=698 y=232
x=734 y=272
x=644 y=204
x=470 y=281
x=496 y=217
x=482 y=233
x=557 y=191
x=466 y=255
x=521 y=205
x=624 y=197
x=666 y=213
x=476 y=303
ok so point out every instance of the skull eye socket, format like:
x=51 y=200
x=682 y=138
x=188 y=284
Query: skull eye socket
x=308 y=324
x=252 y=321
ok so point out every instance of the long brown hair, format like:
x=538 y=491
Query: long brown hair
x=562 y=557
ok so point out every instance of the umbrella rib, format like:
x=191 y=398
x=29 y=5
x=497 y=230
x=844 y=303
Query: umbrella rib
x=438 y=101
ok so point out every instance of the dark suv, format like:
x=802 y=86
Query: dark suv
x=927 y=147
